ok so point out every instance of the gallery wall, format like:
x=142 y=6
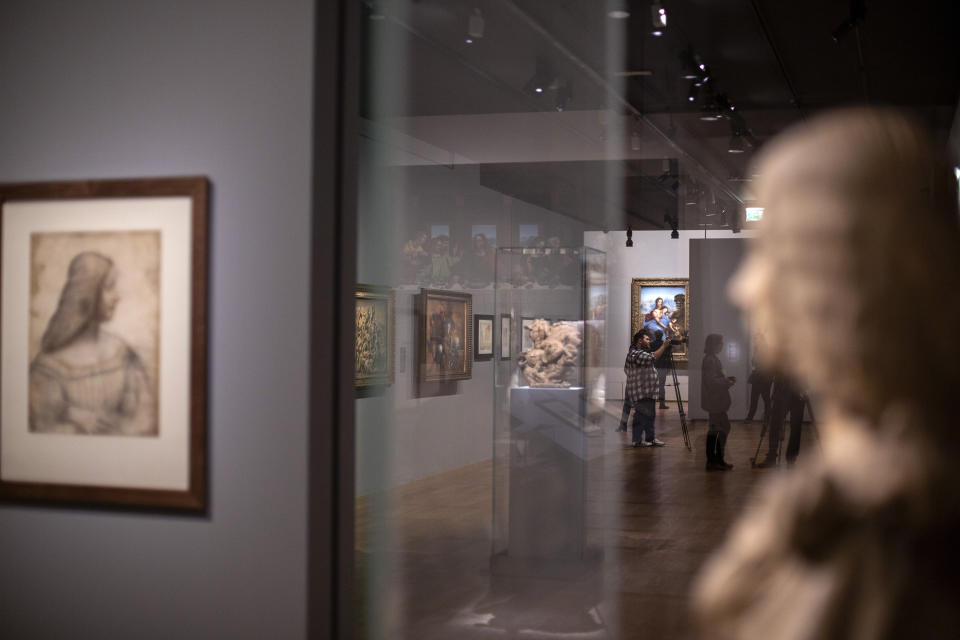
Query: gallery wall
x=655 y=255
x=713 y=262
x=409 y=430
x=111 y=89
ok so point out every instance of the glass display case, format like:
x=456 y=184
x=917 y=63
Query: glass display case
x=550 y=303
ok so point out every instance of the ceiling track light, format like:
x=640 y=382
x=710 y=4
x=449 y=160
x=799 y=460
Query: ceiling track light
x=475 y=26
x=658 y=19
x=541 y=79
x=737 y=144
x=689 y=64
x=629 y=236
x=564 y=94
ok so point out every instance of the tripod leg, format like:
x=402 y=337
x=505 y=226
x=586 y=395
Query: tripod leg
x=763 y=432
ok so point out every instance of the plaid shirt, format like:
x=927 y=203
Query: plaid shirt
x=641 y=375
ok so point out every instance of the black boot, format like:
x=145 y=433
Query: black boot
x=712 y=451
x=721 y=446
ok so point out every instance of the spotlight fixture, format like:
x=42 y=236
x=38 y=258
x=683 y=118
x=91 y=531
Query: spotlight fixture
x=674 y=222
x=736 y=144
x=541 y=79
x=689 y=63
x=858 y=11
x=564 y=94
x=629 y=236
x=475 y=27
x=658 y=19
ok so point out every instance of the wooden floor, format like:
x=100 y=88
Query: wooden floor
x=654 y=515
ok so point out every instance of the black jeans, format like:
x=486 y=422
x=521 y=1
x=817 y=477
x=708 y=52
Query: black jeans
x=784 y=403
x=646 y=413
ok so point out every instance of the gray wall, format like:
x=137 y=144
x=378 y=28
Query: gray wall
x=712 y=263
x=401 y=434
x=99 y=89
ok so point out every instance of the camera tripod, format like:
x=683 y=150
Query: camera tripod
x=768 y=417
x=683 y=415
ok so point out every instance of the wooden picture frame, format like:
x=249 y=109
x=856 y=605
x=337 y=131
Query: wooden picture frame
x=374 y=343
x=103 y=333
x=505 y=336
x=445 y=341
x=483 y=340
x=675 y=295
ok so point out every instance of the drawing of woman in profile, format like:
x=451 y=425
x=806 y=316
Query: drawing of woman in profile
x=86 y=380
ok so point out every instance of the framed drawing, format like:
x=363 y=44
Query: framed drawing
x=526 y=342
x=446 y=335
x=661 y=304
x=104 y=341
x=374 y=344
x=505 y=336
x=483 y=337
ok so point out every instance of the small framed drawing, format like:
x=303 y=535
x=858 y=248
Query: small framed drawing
x=446 y=335
x=483 y=337
x=505 y=336
x=526 y=342
x=103 y=334
x=374 y=343
x=661 y=304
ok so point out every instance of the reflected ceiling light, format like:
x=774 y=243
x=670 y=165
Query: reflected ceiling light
x=540 y=80
x=475 y=26
x=618 y=10
x=658 y=16
x=564 y=94
x=376 y=10
x=689 y=62
x=694 y=91
x=736 y=144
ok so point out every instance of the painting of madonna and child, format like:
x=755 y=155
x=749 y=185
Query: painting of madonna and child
x=661 y=305
x=94 y=333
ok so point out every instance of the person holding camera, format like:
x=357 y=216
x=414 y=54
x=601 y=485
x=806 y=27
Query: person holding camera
x=715 y=400
x=640 y=367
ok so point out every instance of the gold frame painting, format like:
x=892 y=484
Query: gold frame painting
x=445 y=343
x=374 y=327
x=644 y=293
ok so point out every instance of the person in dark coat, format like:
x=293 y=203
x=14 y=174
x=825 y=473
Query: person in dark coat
x=715 y=400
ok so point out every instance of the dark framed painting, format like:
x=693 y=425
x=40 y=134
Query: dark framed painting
x=661 y=304
x=103 y=334
x=505 y=336
x=482 y=337
x=445 y=335
x=374 y=342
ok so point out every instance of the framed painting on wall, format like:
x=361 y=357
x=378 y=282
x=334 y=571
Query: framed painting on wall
x=661 y=304
x=505 y=336
x=482 y=337
x=374 y=344
x=446 y=335
x=103 y=336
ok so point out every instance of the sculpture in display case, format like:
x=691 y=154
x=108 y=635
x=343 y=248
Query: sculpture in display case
x=553 y=361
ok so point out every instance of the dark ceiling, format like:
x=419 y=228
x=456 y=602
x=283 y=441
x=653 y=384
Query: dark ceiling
x=775 y=61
